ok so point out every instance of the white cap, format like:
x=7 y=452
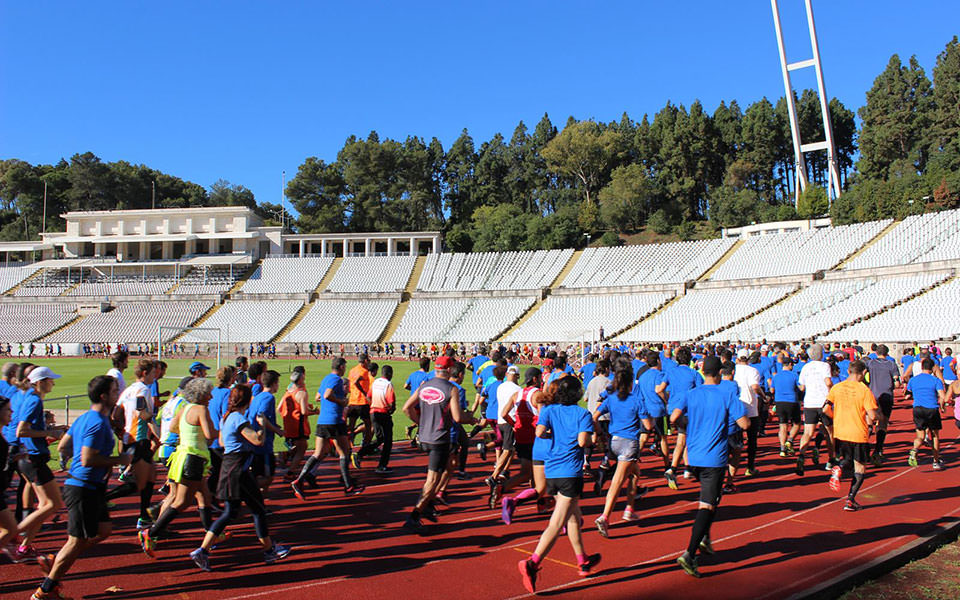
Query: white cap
x=40 y=373
x=743 y=353
x=513 y=369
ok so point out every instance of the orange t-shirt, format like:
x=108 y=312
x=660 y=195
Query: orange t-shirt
x=360 y=381
x=295 y=424
x=851 y=401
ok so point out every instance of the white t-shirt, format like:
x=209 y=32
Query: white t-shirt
x=121 y=382
x=134 y=429
x=812 y=378
x=747 y=377
x=504 y=392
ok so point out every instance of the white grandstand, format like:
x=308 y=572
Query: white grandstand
x=287 y=275
x=248 y=321
x=463 y=319
x=570 y=318
x=674 y=262
x=207 y=280
x=492 y=270
x=12 y=275
x=372 y=274
x=132 y=322
x=21 y=322
x=344 y=321
x=918 y=238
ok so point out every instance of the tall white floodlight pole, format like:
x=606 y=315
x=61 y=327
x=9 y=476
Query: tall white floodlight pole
x=283 y=195
x=799 y=148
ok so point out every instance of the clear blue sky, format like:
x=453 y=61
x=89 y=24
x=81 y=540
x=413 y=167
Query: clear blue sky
x=243 y=90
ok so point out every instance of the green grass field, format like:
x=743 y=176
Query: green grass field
x=76 y=372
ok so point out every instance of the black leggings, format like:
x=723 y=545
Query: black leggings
x=216 y=458
x=248 y=493
x=752 y=432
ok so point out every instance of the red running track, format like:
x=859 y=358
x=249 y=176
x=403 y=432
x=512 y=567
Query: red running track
x=778 y=536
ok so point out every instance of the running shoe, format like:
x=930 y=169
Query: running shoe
x=297 y=488
x=602 y=526
x=815 y=455
x=729 y=488
x=221 y=539
x=496 y=494
x=146 y=543
x=799 y=468
x=410 y=429
x=751 y=472
x=689 y=564
x=55 y=594
x=851 y=505
x=275 y=553
x=506 y=512
x=482 y=450
x=153 y=511
x=164 y=490
x=383 y=470
x=834 y=482
x=783 y=452
x=876 y=459
x=10 y=551
x=687 y=474
x=912 y=458
x=671 y=479
x=201 y=558
x=354 y=489
x=412 y=524
x=144 y=523
x=828 y=466
x=441 y=498
x=430 y=513
x=45 y=562
x=356 y=460
x=24 y=553
x=629 y=515
x=789 y=448
x=585 y=567
x=706 y=546
x=463 y=475
x=528 y=571
x=938 y=465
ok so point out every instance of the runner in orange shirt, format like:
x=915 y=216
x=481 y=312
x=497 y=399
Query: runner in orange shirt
x=295 y=410
x=359 y=403
x=854 y=410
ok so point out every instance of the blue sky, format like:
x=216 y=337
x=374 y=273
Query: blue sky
x=244 y=90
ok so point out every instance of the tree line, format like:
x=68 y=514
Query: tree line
x=551 y=187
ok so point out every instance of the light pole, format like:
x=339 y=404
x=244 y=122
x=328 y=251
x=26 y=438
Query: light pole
x=283 y=194
x=587 y=235
x=153 y=194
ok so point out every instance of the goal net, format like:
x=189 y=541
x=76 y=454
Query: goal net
x=189 y=342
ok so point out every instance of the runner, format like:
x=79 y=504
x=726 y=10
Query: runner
x=8 y=524
x=751 y=392
x=521 y=412
x=88 y=446
x=651 y=388
x=815 y=382
x=236 y=481
x=854 y=410
x=265 y=403
x=358 y=407
x=226 y=376
x=884 y=375
x=506 y=392
x=570 y=429
x=709 y=408
x=120 y=360
x=786 y=398
x=929 y=399
x=295 y=411
x=414 y=380
x=598 y=384
x=383 y=403
x=679 y=379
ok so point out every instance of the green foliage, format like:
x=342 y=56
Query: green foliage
x=629 y=198
x=813 y=202
x=660 y=222
x=585 y=151
x=684 y=230
x=610 y=239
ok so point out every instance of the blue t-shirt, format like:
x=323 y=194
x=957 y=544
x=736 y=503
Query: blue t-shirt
x=565 y=422
x=6 y=390
x=10 y=431
x=255 y=389
x=555 y=375
x=490 y=387
x=264 y=404
x=766 y=367
x=456 y=427
x=785 y=386
x=668 y=364
x=586 y=372
x=31 y=411
x=90 y=430
x=331 y=413
x=925 y=388
x=230 y=430
x=945 y=364
x=485 y=372
x=710 y=408
x=217 y=406
x=906 y=360
x=625 y=413
x=475 y=363
x=416 y=378
x=731 y=387
x=680 y=379
x=844 y=366
x=645 y=387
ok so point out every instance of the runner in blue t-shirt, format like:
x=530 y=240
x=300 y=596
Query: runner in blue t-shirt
x=570 y=428
x=265 y=404
x=709 y=412
x=414 y=381
x=786 y=398
x=929 y=399
x=679 y=379
x=587 y=370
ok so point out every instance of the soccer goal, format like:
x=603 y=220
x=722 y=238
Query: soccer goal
x=188 y=342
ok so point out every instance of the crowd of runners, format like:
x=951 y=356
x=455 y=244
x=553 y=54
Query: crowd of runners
x=543 y=429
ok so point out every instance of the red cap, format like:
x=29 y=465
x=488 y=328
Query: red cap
x=444 y=362
x=548 y=362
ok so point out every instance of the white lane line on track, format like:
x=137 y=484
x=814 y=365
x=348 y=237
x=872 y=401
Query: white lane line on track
x=286 y=589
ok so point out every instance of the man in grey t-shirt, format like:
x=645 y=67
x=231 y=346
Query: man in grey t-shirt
x=884 y=374
x=597 y=385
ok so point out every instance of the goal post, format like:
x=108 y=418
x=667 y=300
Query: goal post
x=192 y=339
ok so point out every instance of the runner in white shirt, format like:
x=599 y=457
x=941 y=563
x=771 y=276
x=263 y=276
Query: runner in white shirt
x=505 y=391
x=120 y=360
x=748 y=380
x=815 y=382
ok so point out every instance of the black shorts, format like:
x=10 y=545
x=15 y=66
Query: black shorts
x=34 y=468
x=788 y=412
x=193 y=468
x=86 y=509
x=140 y=451
x=927 y=418
x=438 y=455
x=812 y=416
x=735 y=441
x=331 y=431
x=681 y=424
x=524 y=451
x=859 y=452
x=264 y=465
x=657 y=427
x=506 y=434
x=885 y=402
x=358 y=411
x=571 y=487
x=711 y=483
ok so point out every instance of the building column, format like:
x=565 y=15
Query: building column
x=434 y=244
x=366 y=247
x=389 y=246
x=346 y=247
x=301 y=248
x=413 y=246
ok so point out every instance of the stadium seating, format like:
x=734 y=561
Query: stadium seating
x=700 y=312
x=569 y=318
x=287 y=275
x=208 y=280
x=372 y=274
x=123 y=285
x=930 y=316
x=12 y=275
x=645 y=264
x=133 y=322
x=826 y=305
x=248 y=321
x=344 y=321
x=798 y=252
x=492 y=270
x=461 y=319
x=27 y=322
x=50 y=282
x=918 y=238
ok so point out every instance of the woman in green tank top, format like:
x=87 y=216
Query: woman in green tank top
x=189 y=464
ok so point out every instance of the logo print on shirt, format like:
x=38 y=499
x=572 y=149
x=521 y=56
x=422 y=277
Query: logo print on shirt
x=432 y=395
